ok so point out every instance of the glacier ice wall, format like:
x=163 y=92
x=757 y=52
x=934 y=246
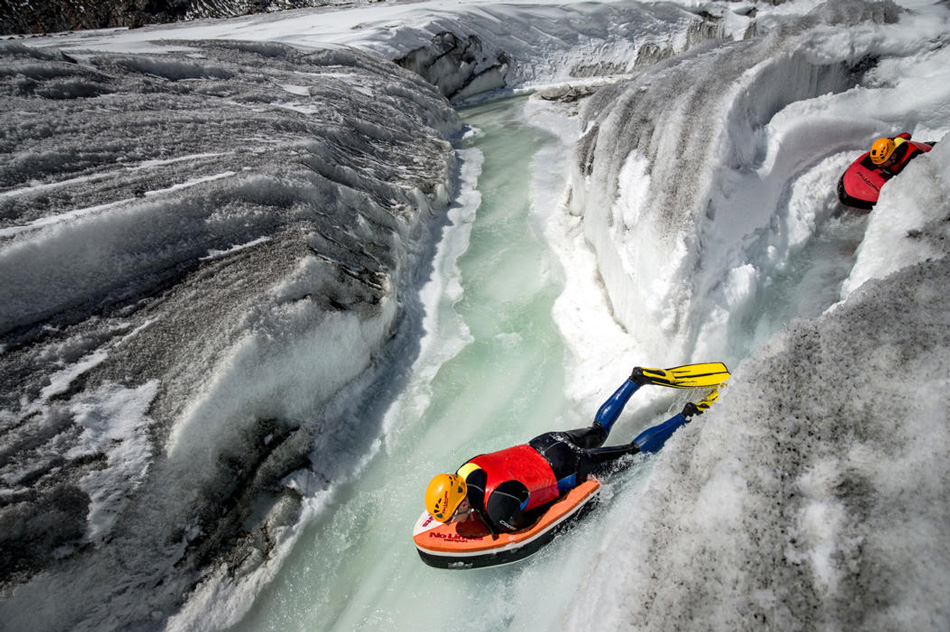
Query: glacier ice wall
x=512 y=46
x=197 y=251
x=467 y=50
x=678 y=174
x=200 y=250
x=814 y=496
x=226 y=258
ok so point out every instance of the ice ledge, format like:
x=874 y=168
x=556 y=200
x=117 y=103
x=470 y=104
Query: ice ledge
x=167 y=353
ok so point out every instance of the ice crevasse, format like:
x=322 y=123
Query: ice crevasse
x=690 y=178
x=811 y=495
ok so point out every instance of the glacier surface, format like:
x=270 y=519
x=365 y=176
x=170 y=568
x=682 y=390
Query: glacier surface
x=209 y=246
x=200 y=249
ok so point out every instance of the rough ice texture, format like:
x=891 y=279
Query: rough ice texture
x=51 y=16
x=197 y=250
x=814 y=496
x=505 y=46
x=229 y=309
x=467 y=50
x=670 y=173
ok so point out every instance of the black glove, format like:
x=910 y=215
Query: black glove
x=637 y=376
x=691 y=409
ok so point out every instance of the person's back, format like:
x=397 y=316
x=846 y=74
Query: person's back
x=506 y=486
x=892 y=155
x=511 y=488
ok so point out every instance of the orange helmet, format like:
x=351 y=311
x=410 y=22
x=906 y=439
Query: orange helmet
x=444 y=494
x=881 y=150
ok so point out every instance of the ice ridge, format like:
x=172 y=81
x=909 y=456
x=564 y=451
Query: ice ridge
x=198 y=250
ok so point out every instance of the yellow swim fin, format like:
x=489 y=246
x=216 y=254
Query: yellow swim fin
x=688 y=376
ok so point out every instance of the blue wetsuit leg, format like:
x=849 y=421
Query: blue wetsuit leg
x=652 y=439
x=574 y=454
x=611 y=409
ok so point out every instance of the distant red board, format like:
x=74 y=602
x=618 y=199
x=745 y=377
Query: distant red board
x=861 y=184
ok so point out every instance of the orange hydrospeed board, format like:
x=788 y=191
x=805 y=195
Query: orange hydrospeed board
x=469 y=544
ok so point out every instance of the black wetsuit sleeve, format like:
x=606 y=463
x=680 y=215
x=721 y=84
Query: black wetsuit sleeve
x=899 y=156
x=504 y=507
x=475 y=481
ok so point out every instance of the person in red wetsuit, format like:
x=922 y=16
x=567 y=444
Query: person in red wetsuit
x=509 y=489
x=891 y=155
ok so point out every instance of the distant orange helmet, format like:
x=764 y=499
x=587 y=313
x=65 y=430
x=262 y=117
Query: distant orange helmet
x=881 y=150
x=444 y=494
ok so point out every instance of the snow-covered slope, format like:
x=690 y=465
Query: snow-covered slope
x=696 y=181
x=203 y=242
x=197 y=251
x=814 y=494
x=471 y=48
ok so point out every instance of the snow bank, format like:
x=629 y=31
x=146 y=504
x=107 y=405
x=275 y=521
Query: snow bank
x=464 y=49
x=702 y=179
x=195 y=261
x=909 y=223
x=814 y=495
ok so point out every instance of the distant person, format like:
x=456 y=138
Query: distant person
x=891 y=155
x=510 y=489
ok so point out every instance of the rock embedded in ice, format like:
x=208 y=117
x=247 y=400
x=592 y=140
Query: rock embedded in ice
x=459 y=67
